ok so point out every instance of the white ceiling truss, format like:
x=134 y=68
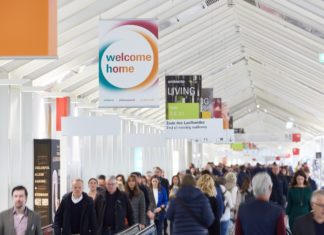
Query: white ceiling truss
x=252 y=52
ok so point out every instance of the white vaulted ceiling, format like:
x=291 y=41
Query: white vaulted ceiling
x=254 y=53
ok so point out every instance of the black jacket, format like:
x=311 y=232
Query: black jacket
x=165 y=183
x=122 y=211
x=145 y=190
x=62 y=225
x=214 y=229
x=304 y=225
x=277 y=195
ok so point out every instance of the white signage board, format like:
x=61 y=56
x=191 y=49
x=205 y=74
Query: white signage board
x=91 y=126
x=194 y=129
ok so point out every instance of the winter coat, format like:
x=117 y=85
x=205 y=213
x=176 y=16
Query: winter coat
x=62 y=220
x=182 y=221
x=123 y=211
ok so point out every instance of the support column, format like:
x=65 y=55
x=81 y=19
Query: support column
x=4 y=148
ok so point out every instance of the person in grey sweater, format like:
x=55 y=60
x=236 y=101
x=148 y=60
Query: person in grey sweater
x=137 y=200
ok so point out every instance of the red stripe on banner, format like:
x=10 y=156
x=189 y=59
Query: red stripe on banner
x=62 y=110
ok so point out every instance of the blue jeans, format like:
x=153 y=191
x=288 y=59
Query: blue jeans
x=224 y=227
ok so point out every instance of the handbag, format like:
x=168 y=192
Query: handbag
x=191 y=213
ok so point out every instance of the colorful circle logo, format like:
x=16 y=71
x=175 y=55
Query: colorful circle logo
x=129 y=58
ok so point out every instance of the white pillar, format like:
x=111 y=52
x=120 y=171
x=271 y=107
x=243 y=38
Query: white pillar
x=4 y=147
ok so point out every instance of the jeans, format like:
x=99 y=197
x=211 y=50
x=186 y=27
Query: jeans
x=224 y=227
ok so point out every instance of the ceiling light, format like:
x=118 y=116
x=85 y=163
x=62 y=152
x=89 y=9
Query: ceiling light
x=258 y=106
x=289 y=125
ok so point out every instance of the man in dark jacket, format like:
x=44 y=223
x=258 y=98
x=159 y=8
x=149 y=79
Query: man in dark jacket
x=312 y=223
x=259 y=217
x=76 y=214
x=277 y=195
x=113 y=209
x=190 y=212
x=163 y=181
x=311 y=182
x=242 y=175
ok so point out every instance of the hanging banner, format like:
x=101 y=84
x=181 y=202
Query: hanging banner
x=217 y=105
x=295 y=137
x=28 y=29
x=128 y=63
x=206 y=103
x=295 y=151
x=62 y=110
x=183 y=95
x=225 y=116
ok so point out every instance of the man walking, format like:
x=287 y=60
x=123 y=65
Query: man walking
x=114 y=211
x=20 y=220
x=313 y=222
x=76 y=213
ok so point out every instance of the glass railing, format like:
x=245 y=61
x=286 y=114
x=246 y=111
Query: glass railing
x=150 y=230
x=131 y=230
x=48 y=230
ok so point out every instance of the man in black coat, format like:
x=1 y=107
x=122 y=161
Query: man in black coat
x=311 y=182
x=313 y=222
x=113 y=209
x=277 y=195
x=76 y=213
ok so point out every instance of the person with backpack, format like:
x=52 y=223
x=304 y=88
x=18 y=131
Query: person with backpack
x=185 y=211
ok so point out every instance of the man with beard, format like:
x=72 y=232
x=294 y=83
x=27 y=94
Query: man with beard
x=19 y=220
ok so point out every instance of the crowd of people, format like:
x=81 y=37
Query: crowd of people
x=215 y=200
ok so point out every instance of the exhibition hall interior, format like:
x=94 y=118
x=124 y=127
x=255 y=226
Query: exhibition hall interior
x=108 y=87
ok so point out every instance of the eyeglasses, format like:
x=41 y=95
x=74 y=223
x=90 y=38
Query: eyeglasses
x=319 y=205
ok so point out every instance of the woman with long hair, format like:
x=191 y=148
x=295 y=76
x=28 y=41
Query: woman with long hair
x=207 y=185
x=244 y=194
x=92 y=184
x=158 y=202
x=174 y=187
x=137 y=200
x=299 y=195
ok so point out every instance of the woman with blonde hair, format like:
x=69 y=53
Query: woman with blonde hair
x=206 y=184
